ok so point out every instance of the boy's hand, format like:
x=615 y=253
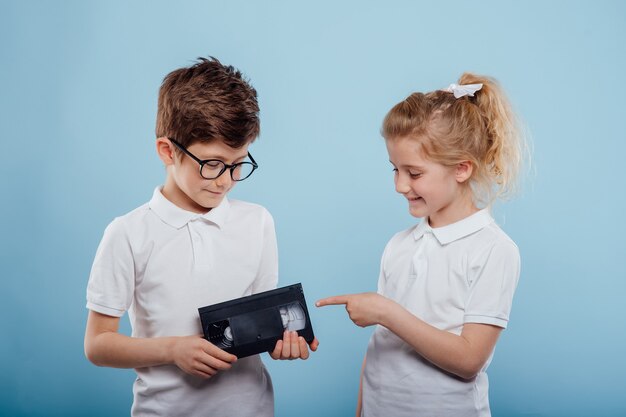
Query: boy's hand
x=197 y=356
x=293 y=346
x=364 y=309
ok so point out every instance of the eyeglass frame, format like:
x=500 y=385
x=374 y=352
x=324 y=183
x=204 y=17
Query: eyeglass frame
x=230 y=167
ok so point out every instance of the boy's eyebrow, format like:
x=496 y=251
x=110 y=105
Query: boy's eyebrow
x=223 y=159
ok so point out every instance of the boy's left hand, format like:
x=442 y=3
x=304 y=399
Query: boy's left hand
x=292 y=347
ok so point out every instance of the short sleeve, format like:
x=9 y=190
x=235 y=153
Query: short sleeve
x=267 y=275
x=382 y=276
x=493 y=279
x=111 y=284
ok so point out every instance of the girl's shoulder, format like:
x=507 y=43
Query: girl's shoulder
x=492 y=243
x=402 y=236
x=492 y=235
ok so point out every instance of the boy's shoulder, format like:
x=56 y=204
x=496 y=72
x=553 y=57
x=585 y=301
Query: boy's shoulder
x=133 y=215
x=246 y=205
x=141 y=220
x=126 y=222
x=239 y=209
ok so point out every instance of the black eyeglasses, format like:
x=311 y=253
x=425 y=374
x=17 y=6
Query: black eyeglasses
x=211 y=169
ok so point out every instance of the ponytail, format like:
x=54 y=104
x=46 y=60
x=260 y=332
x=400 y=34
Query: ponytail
x=503 y=134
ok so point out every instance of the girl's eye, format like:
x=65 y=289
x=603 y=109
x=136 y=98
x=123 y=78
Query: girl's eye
x=415 y=174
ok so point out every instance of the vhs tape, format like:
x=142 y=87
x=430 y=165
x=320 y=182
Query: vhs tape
x=249 y=325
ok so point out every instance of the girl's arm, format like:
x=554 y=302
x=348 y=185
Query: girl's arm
x=359 y=403
x=104 y=346
x=462 y=355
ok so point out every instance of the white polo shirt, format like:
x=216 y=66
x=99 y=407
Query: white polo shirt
x=161 y=263
x=465 y=272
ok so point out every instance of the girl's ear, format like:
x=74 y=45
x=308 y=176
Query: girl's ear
x=165 y=150
x=464 y=171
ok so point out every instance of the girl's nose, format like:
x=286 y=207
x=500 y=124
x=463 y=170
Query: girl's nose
x=402 y=185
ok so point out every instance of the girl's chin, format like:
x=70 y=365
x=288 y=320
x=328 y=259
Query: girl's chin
x=418 y=212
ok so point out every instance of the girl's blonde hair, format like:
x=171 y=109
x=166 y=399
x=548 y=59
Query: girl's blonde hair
x=481 y=129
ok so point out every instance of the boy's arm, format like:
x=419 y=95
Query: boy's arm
x=267 y=274
x=292 y=346
x=104 y=346
x=463 y=355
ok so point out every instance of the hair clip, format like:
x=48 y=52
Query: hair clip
x=463 y=90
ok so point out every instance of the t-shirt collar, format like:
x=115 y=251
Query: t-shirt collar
x=457 y=230
x=177 y=217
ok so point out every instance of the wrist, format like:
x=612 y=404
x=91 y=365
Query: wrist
x=169 y=347
x=387 y=312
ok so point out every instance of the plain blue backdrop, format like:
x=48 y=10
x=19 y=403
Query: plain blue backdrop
x=78 y=93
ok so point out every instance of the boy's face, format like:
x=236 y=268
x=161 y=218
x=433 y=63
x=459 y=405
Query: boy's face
x=184 y=185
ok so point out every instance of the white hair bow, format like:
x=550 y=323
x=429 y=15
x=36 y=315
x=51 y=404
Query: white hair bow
x=463 y=90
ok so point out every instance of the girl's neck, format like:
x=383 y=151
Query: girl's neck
x=456 y=211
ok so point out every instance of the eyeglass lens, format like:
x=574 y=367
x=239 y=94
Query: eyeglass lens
x=213 y=169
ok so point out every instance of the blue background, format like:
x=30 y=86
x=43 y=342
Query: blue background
x=78 y=94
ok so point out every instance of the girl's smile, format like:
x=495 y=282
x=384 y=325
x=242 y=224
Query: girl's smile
x=433 y=190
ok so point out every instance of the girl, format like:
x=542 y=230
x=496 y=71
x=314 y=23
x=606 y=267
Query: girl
x=446 y=285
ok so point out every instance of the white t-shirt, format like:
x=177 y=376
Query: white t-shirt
x=161 y=263
x=465 y=272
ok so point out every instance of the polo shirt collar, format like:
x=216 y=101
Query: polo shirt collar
x=177 y=217
x=455 y=231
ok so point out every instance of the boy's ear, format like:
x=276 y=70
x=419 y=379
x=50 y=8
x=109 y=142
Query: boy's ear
x=464 y=171
x=165 y=150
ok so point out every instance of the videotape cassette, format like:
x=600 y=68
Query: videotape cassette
x=253 y=324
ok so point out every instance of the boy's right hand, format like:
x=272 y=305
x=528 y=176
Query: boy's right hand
x=197 y=356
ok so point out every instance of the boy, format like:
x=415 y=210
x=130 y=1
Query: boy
x=186 y=248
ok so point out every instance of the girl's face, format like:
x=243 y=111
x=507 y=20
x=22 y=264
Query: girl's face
x=433 y=190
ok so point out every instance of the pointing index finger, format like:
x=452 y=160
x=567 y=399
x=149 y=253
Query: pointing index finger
x=336 y=300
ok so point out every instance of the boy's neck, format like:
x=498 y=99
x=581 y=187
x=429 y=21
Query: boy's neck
x=181 y=200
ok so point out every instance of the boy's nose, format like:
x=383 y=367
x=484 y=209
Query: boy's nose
x=224 y=180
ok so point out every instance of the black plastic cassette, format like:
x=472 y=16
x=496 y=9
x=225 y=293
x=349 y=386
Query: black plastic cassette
x=253 y=324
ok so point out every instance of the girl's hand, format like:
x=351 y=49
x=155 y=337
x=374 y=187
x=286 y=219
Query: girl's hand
x=364 y=309
x=292 y=347
x=197 y=356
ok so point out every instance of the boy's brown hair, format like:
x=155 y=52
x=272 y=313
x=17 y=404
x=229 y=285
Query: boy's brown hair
x=206 y=102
